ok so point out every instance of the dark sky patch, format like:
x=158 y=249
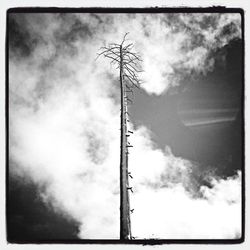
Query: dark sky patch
x=217 y=145
x=37 y=221
x=226 y=78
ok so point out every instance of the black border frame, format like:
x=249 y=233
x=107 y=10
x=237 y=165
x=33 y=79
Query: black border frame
x=214 y=9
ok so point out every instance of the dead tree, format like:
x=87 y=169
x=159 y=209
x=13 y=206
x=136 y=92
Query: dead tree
x=128 y=63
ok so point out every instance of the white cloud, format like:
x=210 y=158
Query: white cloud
x=165 y=199
x=173 y=214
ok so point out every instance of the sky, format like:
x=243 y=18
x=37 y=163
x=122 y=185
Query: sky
x=64 y=126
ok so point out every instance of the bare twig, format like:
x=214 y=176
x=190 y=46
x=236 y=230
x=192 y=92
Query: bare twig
x=124 y=38
x=130 y=60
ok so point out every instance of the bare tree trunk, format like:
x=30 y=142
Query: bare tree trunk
x=128 y=63
x=124 y=205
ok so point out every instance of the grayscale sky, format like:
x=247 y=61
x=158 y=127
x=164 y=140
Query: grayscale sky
x=64 y=126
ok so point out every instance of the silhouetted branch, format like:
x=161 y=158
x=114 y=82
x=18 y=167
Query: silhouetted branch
x=124 y=38
x=130 y=60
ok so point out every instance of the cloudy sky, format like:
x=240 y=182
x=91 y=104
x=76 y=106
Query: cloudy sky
x=64 y=126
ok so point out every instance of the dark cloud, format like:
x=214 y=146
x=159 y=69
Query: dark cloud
x=97 y=149
x=228 y=30
x=21 y=43
x=209 y=21
x=72 y=29
x=76 y=30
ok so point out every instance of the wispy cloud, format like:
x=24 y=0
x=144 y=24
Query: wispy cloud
x=64 y=121
x=196 y=117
